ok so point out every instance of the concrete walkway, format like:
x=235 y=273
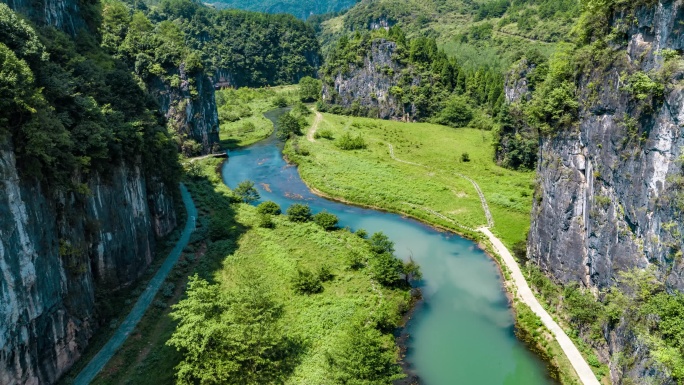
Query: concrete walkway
x=524 y=292
x=526 y=296
x=105 y=354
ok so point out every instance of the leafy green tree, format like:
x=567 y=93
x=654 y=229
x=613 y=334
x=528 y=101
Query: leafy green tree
x=280 y=101
x=380 y=243
x=412 y=271
x=266 y=221
x=326 y=220
x=306 y=282
x=288 y=126
x=386 y=269
x=268 y=207
x=364 y=357
x=456 y=112
x=230 y=336
x=299 y=213
x=246 y=192
x=309 y=89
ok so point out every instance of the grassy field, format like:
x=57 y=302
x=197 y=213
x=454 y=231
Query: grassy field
x=276 y=254
x=371 y=177
x=241 y=113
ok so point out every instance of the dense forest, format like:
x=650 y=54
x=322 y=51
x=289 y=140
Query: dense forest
x=71 y=109
x=301 y=9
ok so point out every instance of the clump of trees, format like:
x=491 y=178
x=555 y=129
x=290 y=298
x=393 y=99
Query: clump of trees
x=309 y=89
x=289 y=126
x=243 y=340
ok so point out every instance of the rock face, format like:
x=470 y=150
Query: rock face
x=609 y=195
x=367 y=89
x=61 y=14
x=190 y=110
x=56 y=249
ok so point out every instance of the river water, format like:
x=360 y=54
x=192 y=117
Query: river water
x=463 y=332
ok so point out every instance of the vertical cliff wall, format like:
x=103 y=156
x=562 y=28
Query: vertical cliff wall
x=57 y=246
x=609 y=192
x=367 y=88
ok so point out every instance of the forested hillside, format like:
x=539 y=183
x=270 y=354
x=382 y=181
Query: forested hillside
x=300 y=8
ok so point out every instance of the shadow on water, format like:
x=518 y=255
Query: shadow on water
x=464 y=330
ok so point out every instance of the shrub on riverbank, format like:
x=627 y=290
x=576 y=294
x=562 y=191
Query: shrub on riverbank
x=326 y=220
x=299 y=213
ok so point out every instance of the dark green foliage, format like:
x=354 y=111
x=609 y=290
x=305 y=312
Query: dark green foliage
x=288 y=126
x=456 y=112
x=246 y=192
x=324 y=274
x=386 y=269
x=306 y=282
x=515 y=143
x=361 y=233
x=380 y=243
x=309 y=89
x=364 y=358
x=520 y=252
x=269 y=207
x=299 y=213
x=348 y=142
x=412 y=271
x=230 y=337
x=300 y=109
x=72 y=110
x=303 y=9
x=221 y=226
x=326 y=220
x=265 y=221
x=465 y=157
x=256 y=49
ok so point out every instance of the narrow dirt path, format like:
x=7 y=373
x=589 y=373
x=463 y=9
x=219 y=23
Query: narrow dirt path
x=98 y=362
x=526 y=296
x=524 y=292
x=310 y=135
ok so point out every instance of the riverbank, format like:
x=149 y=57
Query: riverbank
x=529 y=327
x=230 y=242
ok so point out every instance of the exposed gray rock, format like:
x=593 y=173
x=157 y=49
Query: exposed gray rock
x=190 y=109
x=367 y=87
x=609 y=193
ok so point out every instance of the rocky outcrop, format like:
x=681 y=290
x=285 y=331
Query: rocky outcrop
x=608 y=192
x=610 y=195
x=371 y=89
x=61 y=14
x=56 y=248
x=190 y=108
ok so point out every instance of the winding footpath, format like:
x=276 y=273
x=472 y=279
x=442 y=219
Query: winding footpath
x=523 y=292
x=97 y=363
x=311 y=134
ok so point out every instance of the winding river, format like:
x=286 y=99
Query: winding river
x=463 y=333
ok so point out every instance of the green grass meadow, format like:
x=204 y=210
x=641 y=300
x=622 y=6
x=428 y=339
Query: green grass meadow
x=371 y=177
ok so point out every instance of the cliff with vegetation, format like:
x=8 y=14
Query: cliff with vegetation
x=89 y=175
x=609 y=198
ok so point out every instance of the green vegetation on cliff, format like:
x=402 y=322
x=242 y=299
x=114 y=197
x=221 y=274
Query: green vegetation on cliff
x=300 y=8
x=71 y=109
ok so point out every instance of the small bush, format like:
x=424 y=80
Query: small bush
x=299 y=213
x=324 y=274
x=361 y=233
x=386 y=269
x=465 y=157
x=326 y=220
x=265 y=221
x=355 y=261
x=247 y=127
x=325 y=134
x=306 y=282
x=280 y=101
x=269 y=207
x=347 y=142
x=380 y=243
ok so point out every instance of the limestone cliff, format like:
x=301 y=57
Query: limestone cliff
x=609 y=193
x=369 y=88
